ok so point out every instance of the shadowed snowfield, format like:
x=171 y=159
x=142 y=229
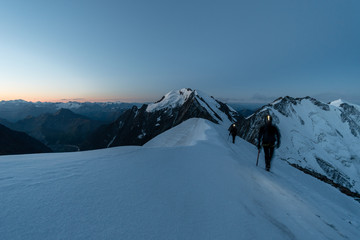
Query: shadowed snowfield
x=190 y=182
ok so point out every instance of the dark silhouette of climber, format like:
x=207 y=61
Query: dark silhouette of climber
x=269 y=134
x=233 y=131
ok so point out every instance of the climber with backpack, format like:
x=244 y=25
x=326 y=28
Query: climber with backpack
x=269 y=134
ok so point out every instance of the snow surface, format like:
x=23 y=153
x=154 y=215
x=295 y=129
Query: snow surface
x=187 y=183
x=186 y=134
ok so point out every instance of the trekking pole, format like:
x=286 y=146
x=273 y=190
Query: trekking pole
x=257 y=160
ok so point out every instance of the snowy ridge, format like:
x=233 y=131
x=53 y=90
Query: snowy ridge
x=188 y=133
x=209 y=189
x=213 y=107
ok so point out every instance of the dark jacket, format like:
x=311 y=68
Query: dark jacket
x=268 y=135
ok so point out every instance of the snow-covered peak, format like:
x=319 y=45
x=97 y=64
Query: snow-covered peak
x=172 y=99
x=339 y=102
x=219 y=111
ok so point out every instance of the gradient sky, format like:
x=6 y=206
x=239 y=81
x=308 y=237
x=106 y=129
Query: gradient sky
x=247 y=51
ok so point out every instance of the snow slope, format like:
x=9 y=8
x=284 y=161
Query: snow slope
x=187 y=183
x=186 y=134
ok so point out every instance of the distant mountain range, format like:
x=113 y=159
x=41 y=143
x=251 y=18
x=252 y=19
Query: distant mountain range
x=16 y=110
x=60 y=126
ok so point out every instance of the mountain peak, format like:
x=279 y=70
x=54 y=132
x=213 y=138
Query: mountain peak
x=292 y=100
x=337 y=103
x=283 y=103
x=217 y=111
x=172 y=99
x=341 y=102
x=139 y=125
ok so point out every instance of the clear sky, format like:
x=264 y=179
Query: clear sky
x=247 y=51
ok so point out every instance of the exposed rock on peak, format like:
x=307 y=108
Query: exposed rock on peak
x=138 y=125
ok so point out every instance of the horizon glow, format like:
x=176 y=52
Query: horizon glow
x=242 y=51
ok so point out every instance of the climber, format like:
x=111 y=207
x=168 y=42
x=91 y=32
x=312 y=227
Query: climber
x=233 y=131
x=269 y=134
